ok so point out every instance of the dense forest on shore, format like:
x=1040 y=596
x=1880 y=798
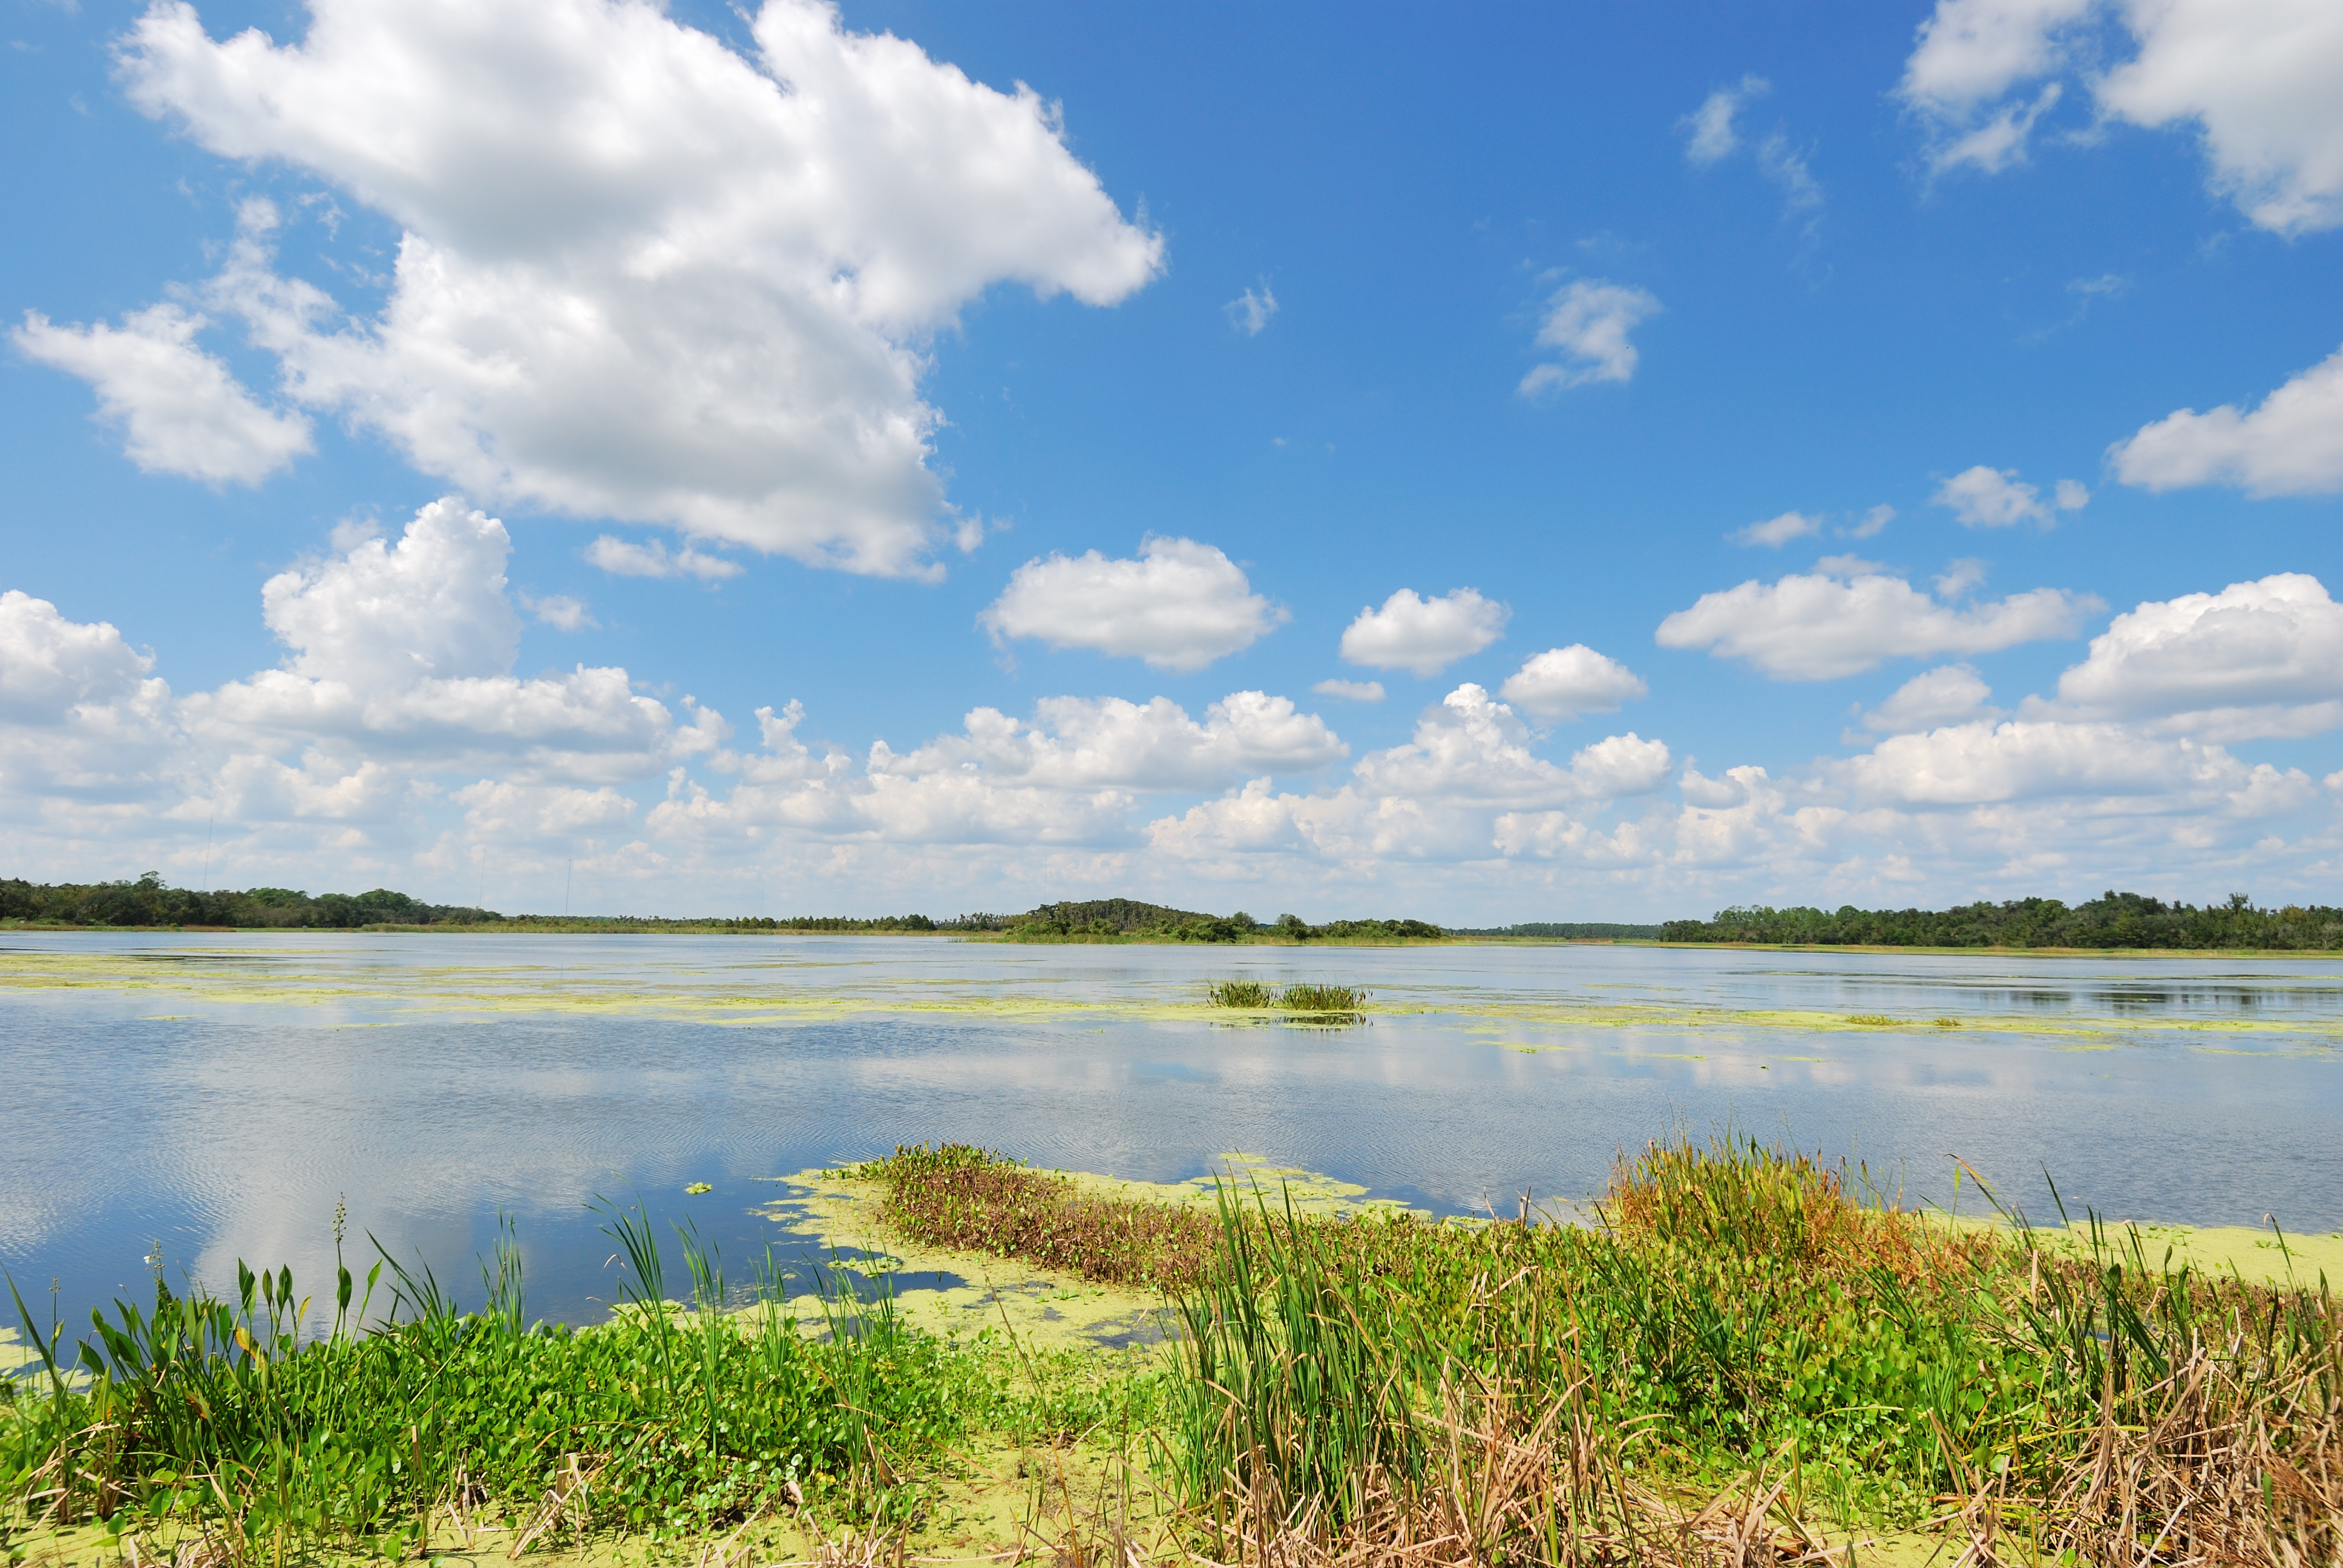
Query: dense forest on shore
x=2111 y=920
x=149 y=901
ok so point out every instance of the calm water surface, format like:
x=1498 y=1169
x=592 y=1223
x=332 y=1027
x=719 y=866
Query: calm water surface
x=218 y=1094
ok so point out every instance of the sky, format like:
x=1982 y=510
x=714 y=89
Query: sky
x=1483 y=464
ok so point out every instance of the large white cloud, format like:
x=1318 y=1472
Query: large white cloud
x=2290 y=446
x=1086 y=743
x=643 y=276
x=1822 y=626
x=1981 y=763
x=50 y=666
x=2260 y=657
x=180 y=410
x=1565 y=682
x=2256 y=78
x=1424 y=636
x=81 y=714
x=408 y=647
x=1438 y=796
x=1180 y=605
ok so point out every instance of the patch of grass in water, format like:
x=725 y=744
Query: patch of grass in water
x=1322 y=999
x=1303 y=997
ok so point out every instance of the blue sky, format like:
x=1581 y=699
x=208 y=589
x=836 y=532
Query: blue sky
x=1838 y=453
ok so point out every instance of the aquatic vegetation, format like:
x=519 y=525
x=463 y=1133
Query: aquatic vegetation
x=213 y=1418
x=956 y=1195
x=1750 y=1357
x=1321 y=998
x=1301 y=998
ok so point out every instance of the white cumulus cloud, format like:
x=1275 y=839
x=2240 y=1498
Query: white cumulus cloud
x=50 y=666
x=1179 y=606
x=1351 y=691
x=1949 y=693
x=643 y=276
x=1563 y=683
x=2290 y=446
x=2262 y=657
x=1088 y=743
x=2255 y=78
x=1820 y=627
x=1424 y=636
x=1983 y=763
x=402 y=654
x=1983 y=497
x=625 y=558
x=180 y=410
x=1589 y=321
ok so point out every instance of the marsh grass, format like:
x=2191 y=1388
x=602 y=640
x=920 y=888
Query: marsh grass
x=1752 y=1355
x=1329 y=1000
x=956 y=1195
x=217 y=1420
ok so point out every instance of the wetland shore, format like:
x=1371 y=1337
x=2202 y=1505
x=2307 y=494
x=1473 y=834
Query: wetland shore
x=1746 y=1358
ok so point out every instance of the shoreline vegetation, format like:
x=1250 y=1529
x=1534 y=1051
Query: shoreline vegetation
x=2112 y=923
x=1750 y=1357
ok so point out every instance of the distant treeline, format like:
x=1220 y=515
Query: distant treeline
x=1128 y=919
x=149 y=901
x=1582 y=931
x=2111 y=920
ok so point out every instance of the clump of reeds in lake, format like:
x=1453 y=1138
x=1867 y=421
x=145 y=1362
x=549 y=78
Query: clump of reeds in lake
x=1300 y=998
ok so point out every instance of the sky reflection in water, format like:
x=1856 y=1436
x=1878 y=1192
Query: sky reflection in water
x=219 y=1094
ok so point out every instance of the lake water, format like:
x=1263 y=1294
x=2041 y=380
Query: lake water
x=218 y=1094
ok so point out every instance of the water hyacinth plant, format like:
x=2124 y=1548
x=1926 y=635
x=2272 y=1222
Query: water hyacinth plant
x=217 y=1419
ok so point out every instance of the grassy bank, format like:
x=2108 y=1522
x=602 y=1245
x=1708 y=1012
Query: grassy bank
x=1748 y=1361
